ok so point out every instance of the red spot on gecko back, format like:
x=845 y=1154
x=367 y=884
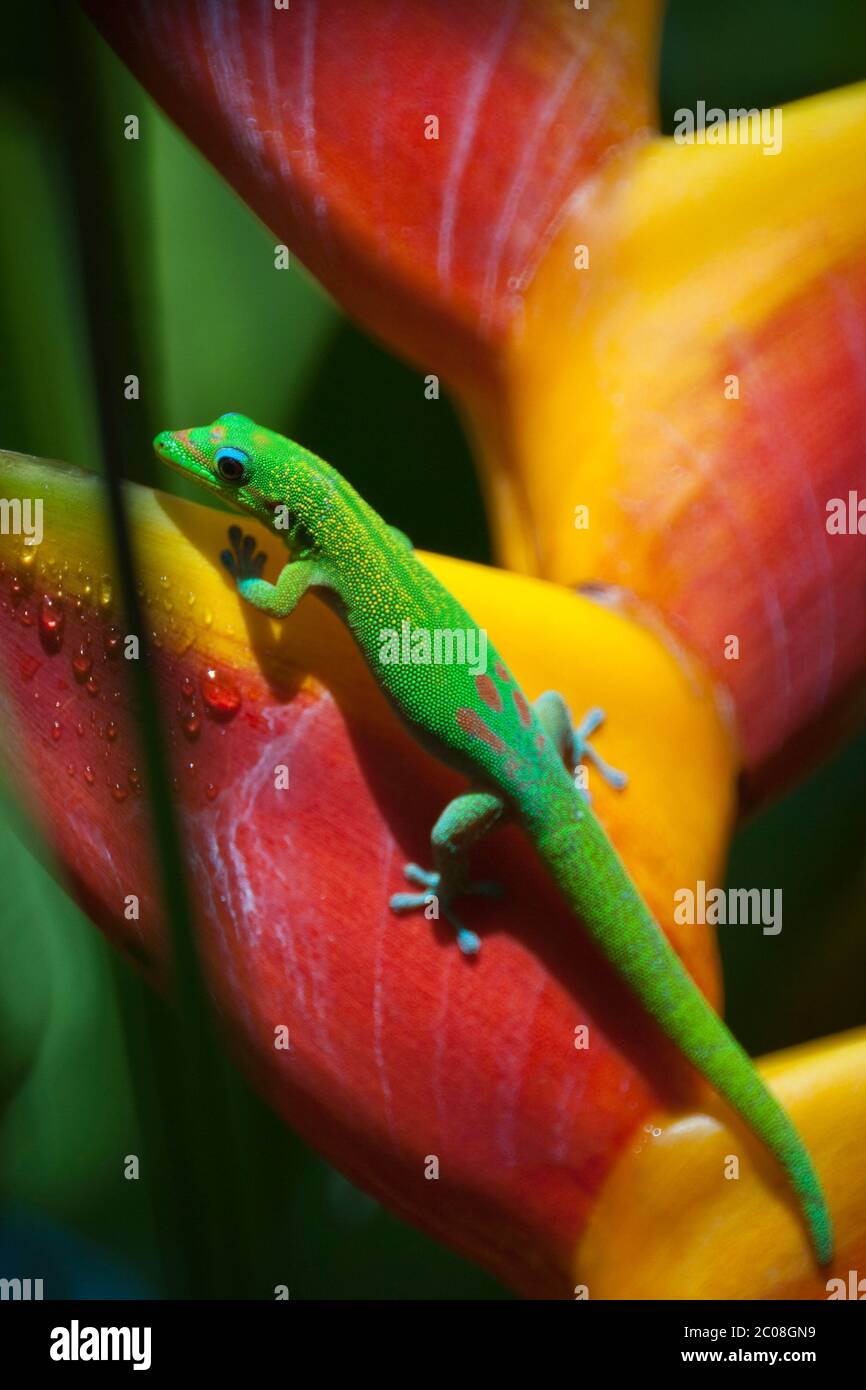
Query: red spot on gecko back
x=472 y=724
x=522 y=708
x=501 y=672
x=488 y=693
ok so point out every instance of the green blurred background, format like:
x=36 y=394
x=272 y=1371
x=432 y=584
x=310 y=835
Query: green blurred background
x=198 y=317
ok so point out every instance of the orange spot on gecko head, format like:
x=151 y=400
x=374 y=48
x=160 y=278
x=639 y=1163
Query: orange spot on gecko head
x=184 y=437
x=472 y=724
x=488 y=693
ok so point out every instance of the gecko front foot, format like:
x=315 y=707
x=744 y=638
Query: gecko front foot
x=243 y=561
x=468 y=941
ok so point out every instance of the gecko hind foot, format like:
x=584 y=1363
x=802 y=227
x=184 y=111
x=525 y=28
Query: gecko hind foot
x=468 y=941
x=582 y=748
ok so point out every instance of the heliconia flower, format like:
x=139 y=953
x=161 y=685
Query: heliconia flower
x=655 y=339
x=667 y=335
x=299 y=798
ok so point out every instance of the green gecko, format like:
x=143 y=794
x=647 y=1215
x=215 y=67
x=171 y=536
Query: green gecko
x=519 y=759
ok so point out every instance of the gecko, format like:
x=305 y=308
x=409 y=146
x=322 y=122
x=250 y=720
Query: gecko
x=519 y=758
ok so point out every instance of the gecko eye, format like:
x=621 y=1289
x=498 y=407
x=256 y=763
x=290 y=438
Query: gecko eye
x=232 y=464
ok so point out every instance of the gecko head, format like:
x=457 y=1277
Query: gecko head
x=222 y=455
x=252 y=468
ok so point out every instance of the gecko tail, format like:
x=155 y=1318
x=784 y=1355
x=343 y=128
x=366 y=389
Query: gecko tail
x=733 y=1074
x=599 y=890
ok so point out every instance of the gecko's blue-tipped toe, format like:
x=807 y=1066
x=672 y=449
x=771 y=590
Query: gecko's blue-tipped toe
x=468 y=941
x=425 y=877
x=612 y=775
x=408 y=902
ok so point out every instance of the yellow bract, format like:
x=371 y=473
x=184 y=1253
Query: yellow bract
x=674 y=1221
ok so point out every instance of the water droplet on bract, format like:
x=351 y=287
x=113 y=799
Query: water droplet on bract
x=51 y=623
x=82 y=663
x=191 y=723
x=221 y=697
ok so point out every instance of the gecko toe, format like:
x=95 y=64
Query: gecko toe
x=408 y=902
x=425 y=877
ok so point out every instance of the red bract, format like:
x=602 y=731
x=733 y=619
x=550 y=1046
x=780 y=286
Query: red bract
x=321 y=115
